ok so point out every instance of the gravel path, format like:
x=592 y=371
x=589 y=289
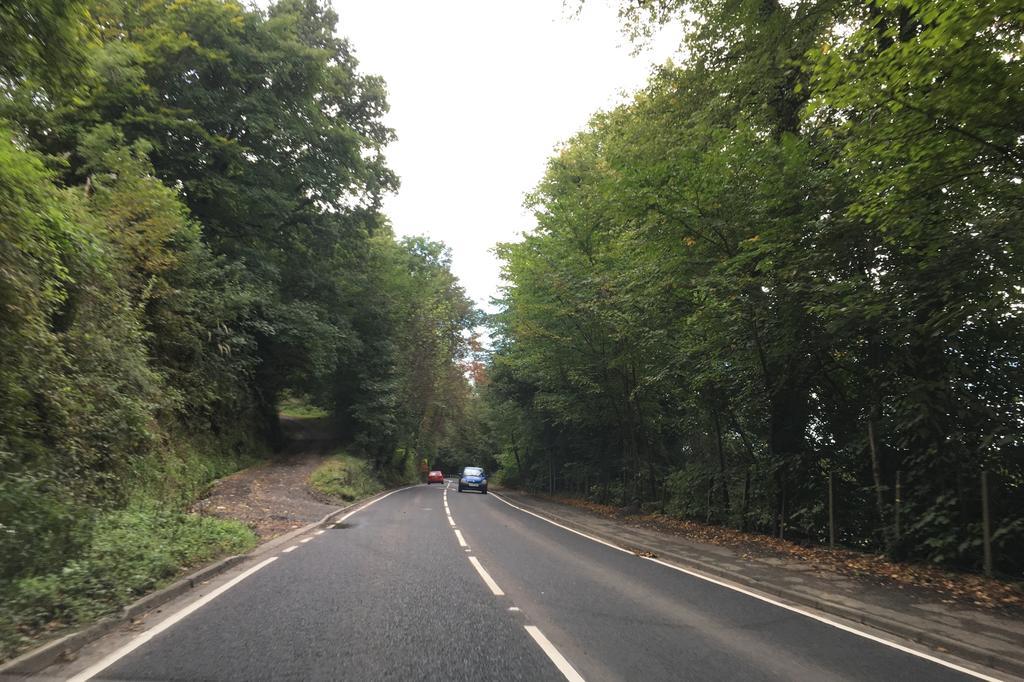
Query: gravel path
x=274 y=498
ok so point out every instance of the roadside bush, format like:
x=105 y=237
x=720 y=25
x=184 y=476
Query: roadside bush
x=130 y=552
x=401 y=470
x=346 y=478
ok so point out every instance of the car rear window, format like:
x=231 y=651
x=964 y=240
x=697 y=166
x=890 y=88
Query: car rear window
x=472 y=471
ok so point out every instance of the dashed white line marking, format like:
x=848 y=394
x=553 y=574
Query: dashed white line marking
x=319 y=532
x=146 y=636
x=513 y=608
x=451 y=522
x=554 y=654
x=495 y=590
x=755 y=595
x=131 y=646
x=293 y=547
x=462 y=541
x=305 y=539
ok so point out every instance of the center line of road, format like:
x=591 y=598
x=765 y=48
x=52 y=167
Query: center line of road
x=554 y=654
x=131 y=646
x=293 y=547
x=305 y=539
x=462 y=542
x=495 y=590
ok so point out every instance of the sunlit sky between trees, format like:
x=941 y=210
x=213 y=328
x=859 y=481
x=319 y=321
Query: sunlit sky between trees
x=481 y=93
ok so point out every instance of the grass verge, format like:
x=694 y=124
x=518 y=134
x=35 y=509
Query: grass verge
x=344 y=477
x=129 y=553
x=295 y=407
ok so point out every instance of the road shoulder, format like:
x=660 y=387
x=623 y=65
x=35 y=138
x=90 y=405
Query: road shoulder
x=975 y=635
x=63 y=657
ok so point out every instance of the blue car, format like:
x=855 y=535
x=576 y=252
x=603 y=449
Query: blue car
x=473 y=478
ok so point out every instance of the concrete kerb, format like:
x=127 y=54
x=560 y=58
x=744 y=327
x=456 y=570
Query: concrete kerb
x=943 y=644
x=61 y=649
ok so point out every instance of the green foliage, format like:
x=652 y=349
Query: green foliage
x=796 y=255
x=298 y=408
x=190 y=233
x=407 y=386
x=128 y=553
x=345 y=477
x=42 y=41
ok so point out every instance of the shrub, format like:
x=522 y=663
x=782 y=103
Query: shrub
x=345 y=477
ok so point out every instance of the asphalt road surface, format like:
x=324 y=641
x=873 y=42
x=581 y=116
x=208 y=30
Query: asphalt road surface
x=396 y=593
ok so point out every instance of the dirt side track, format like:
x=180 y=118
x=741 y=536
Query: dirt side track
x=275 y=497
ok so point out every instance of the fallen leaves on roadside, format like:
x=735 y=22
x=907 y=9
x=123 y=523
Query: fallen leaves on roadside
x=955 y=587
x=642 y=552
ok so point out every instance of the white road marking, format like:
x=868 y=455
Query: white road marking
x=827 y=621
x=554 y=654
x=173 y=619
x=462 y=542
x=319 y=532
x=293 y=547
x=769 y=600
x=555 y=523
x=451 y=522
x=513 y=608
x=305 y=539
x=131 y=646
x=371 y=503
x=495 y=590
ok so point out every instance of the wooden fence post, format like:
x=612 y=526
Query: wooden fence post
x=831 y=513
x=986 y=528
x=896 y=511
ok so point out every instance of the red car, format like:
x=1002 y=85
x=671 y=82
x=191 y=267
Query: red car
x=435 y=477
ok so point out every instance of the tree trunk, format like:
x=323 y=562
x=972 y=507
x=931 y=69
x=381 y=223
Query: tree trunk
x=721 y=465
x=876 y=473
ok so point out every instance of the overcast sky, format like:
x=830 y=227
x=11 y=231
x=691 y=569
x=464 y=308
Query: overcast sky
x=481 y=93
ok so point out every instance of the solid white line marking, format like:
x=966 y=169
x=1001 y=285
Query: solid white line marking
x=755 y=595
x=495 y=590
x=554 y=654
x=131 y=646
x=555 y=523
x=305 y=539
x=293 y=547
x=462 y=542
x=372 y=502
x=847 y=628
